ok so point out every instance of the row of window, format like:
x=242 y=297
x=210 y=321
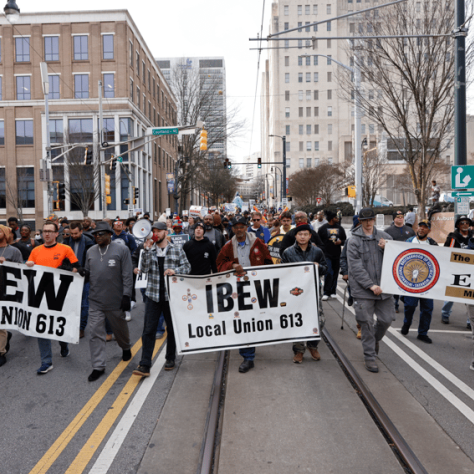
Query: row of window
x=307 y=60
x=307 y=9
x=309 y=146
x=307 y=77
x=25 y=177
x=80 y=46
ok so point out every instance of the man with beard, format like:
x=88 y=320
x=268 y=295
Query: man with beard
x=411 y=302
x=201 y=253
x=213 y=234
x=109 y=268
x=160 y=258
x=245 y=249
x=7 y=254
x=290 y=239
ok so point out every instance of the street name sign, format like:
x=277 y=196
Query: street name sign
x=165 y=131
x=462 y=177
x=462 y=193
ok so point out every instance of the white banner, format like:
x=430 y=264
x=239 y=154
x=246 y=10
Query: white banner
x=41 y=301
x=142 y=278
x=428 y=271
x=223 y=311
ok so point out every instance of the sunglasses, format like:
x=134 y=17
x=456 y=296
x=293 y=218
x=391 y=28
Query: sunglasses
x=256 y=220
x=101 y=234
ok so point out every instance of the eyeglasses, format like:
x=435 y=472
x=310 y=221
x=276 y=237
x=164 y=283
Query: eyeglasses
x=49 y=232
x=256 y=220
x=101 y=234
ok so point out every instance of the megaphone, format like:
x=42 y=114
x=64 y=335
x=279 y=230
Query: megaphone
x=142 y=229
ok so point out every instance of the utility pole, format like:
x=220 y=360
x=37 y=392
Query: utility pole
x=47 y=166
x=101 y=165
x=283 y=191
x=357 y=134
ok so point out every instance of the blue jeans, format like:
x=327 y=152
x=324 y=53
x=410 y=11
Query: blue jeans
x=248 y=353
x=330 y=279
x=85 y=306
x=45 y=350
x=426 y=310
x=447 y=309
x=161 y=324
x=396 y=298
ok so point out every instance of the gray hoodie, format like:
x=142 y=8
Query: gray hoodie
x=364 y=259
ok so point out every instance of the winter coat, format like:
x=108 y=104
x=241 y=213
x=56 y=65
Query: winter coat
x=311 y=254
x=364 y=259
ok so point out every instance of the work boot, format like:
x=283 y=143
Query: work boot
x=246 y=365
x=405 y=329
x=314 y=353
x=371 y=366
x=298 y=359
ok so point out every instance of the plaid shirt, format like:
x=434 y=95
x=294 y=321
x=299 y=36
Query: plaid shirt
x=175 y=259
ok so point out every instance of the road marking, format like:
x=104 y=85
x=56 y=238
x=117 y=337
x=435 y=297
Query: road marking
x=96 y=438
x=107 y=456
x=66 y=436
x=438 y=386
x=466 y=332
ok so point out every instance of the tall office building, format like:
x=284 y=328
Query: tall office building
x=210 y=72
x=80 y=49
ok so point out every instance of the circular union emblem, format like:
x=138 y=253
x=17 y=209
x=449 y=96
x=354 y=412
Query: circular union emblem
x=416 y=271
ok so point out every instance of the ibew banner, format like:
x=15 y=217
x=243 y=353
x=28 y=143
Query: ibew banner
x=428 y=271
x=268 y=305
x=41 y=301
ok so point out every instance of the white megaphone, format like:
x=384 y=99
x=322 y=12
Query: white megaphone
x=142 y=229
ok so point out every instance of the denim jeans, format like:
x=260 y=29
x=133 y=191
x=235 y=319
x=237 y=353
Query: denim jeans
x=161 y=324
x=396 y=299
x=248 y=353
x=153 y=311
x=330 y=279
x=426 y=310
x=45 y=350
x=447 y=309
x=85 y=306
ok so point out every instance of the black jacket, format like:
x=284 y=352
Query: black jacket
x=311 y=254
x=457 y=240
x=330 y=233
x=290 y=239
x=201 y=255
x=87 y=244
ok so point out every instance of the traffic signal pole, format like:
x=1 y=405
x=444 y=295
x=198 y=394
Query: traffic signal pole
x=283 y=191
x=100 y=164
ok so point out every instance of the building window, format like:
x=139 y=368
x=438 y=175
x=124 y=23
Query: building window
x=138 y=64
x=328 y=26
x=362 y=128
x=329 y=76
x=287 y=77
x=108 y=46
x=300 y=111
x=308 y=146
x=22 y=48
x=287 y=95
x=56 y=131
x=300 y=10
x=330 y=129
x=315 y=27
x=81 y=48
x=315 y=9
x=308 y=129
x=0 y=50
x=300 y=129
x=300 y=61
x=3 y=194
x=288 y=148
x=308 y=95
x=316 y=111
x=80 y=130
x=286 y=10
x=287 y=44
x=307 y=28
x=288 y=162
x=300 y=95
x=287 y=130
x=307 y=10
x=329 y=146
x=316 y=95
x=53 y=87
x=329 y=94
x=300 y=77
x=315 y=60
x=1 y=88
x=131 y=53
x=371 y=128
x=308 y=60
x=26 y=186
x=329 y=160
x=143 y=72
x=2 y=132
x=131 y=90
x=308 y=161
x=23 y=88
x=24 y=132
x=287 y=60
x=328 y=8
x=81 y=86
x=51 y=48
x=329 y=111
x=308 y=111
x=300 y=44
x=301 y=162
x=316 y=162
x=308 y=77
x=287 y=26
x=109 y=86
x=300 y=23
x=316 y=77
x=287 y=112
x=316 y=146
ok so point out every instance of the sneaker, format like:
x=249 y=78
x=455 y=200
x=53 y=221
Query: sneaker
x=169 y=365
x=405 y=329
x=424 y=338
x=7 y=346
x=444 y=320
x=126 y=355
x=298 y=358
x=142 y=371
x=325 y=298
x=371 y=366
x=159 y=335
x=128 y=316
x=314 y=353
x=133 y=304
x=95 y=374
x=64 y=351
x=334 y=296
x=44 y=369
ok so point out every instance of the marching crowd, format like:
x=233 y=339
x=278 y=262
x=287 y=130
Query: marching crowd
x=107 y=254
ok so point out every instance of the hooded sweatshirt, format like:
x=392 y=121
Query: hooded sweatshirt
x=201 y=254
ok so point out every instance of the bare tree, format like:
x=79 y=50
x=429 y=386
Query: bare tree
x=200 y=96
x=17 y=193
x=408 y=84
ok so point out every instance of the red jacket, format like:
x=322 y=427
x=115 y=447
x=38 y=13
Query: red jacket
x=259 y=254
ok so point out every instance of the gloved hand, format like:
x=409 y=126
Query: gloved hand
x=125 y=305
x=81 y=271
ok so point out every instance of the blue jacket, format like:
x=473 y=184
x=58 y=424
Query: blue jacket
x=262 y=233
x=84 y=245
x=128 y=239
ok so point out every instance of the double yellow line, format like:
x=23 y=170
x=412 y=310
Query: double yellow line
x=92 y=444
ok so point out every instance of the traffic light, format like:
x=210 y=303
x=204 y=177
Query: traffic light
x=350 y=191
x=108 y=197
x=61 y=191
x=137 y=193
x=113 y=164
x=229 y=164
x=88 y=155
x=203 y=140
x=259 y=162
x=133 y=195
x=225 y=163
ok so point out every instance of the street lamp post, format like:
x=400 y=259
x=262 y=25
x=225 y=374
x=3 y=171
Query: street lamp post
x=12 y=12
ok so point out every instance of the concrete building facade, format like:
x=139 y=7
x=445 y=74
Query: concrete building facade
x=80 y=49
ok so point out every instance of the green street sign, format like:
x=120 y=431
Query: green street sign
x=462 y=177
x=462 y=193
x=165 y=131
x=120 y=159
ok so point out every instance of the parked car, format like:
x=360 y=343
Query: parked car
x=446 y=197
x=382 y=201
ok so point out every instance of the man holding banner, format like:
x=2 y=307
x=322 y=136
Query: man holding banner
x=365 y=252
x=245 y=249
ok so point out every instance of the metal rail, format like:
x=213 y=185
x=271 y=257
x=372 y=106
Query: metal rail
x=396 y=441
x=209 y=453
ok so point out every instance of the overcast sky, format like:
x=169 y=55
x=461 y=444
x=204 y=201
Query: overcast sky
x=180 y=28
x=196 y=28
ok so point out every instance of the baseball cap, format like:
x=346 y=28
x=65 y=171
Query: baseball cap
x=366 y=213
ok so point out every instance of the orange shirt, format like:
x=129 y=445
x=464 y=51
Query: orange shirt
x=52 y=256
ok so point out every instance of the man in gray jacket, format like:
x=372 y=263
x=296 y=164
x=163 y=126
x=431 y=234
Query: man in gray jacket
x=365 y=257
x=109 y=268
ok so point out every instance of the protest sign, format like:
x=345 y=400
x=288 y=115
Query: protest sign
x=142 y=278
x=179 y=240
x=225 y=311
x=274 y=246
x=41 y=301
x=428 y=271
